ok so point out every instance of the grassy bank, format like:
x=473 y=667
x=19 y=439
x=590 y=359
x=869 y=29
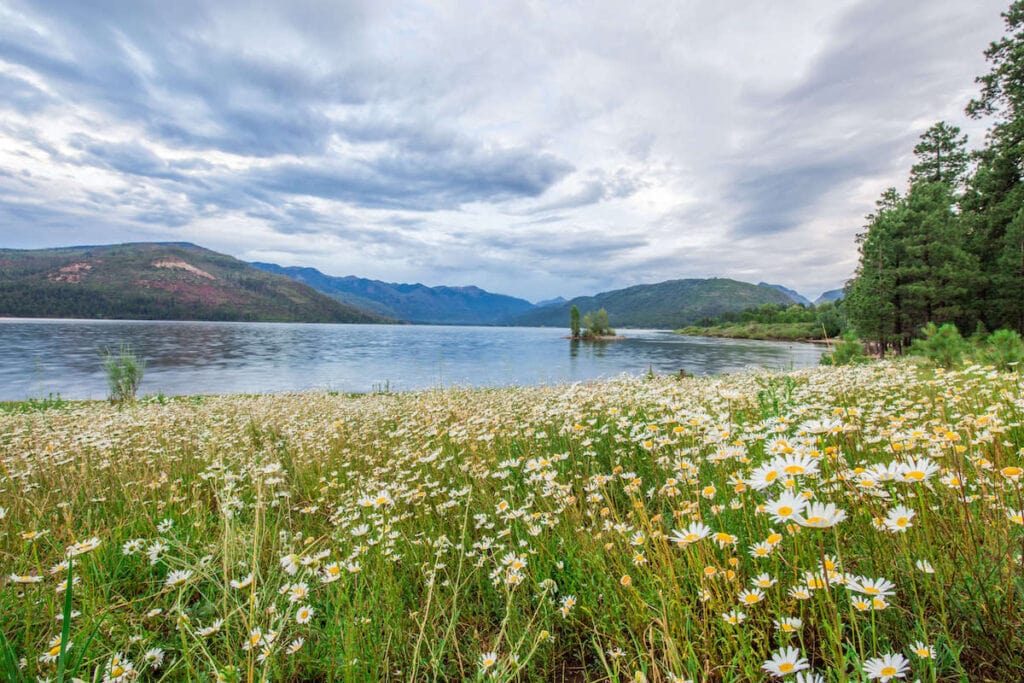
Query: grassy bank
x=672 y=529
x=766 y=331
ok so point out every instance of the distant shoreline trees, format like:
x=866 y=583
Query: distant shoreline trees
x=594 y=325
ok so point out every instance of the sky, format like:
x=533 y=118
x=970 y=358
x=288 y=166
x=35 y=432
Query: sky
x=530 y=148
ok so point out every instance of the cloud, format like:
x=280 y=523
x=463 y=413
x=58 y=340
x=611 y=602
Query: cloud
x=416 y=181
x=515 y=150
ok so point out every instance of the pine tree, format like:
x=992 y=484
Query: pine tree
x=871 y=303
x=993 y=207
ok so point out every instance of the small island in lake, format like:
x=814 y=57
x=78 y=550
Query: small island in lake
x=594 y=326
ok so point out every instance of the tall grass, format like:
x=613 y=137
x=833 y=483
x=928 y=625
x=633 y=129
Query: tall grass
x=548 y=533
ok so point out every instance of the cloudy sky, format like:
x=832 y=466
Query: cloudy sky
x=531 y=148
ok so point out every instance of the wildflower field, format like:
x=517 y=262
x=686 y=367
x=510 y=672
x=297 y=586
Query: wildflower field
x=834 y=524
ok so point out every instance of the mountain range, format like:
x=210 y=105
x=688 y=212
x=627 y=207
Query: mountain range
x=414 y=303
x=181 y=281
x=667 y=305
x=157 y=281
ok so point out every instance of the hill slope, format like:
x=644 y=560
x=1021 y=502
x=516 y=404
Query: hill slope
x=414 y=303
x=156 y=281
x=830 y=295
x=666 y=305
x=796 y=296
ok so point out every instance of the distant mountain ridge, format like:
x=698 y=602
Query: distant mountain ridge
x=793 y=294
x=665 y=305
x=157 y=281
x=415 y=303
x=830 y=295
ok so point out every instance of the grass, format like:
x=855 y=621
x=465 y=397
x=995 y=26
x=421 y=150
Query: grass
x=544 y=533
x=773 y=331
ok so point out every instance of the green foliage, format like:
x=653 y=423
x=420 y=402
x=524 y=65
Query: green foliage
x=596 y=324
x=943 y=345
x=34 y=405
x=665 y=305
x=848 y=351
x=574 y=322
x=791 y=322
x=124 y=373
x=1004 y=349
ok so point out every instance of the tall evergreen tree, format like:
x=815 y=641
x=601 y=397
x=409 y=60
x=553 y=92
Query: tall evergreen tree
x=941 y=156
x=939 y=273
x=871 y=302
x=993 y=207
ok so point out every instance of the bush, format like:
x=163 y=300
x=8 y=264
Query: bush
x=848 y=351
x=1003 y=349
x=596 y=324
x=943 y=346
x=124 y=373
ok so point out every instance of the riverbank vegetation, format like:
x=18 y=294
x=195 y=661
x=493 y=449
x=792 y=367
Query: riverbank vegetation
x=594 y=326
x=793 y=322
x=836 y=522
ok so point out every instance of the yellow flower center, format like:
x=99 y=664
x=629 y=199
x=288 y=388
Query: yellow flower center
x=786 y=667
x=889 y=671
x=785 y=511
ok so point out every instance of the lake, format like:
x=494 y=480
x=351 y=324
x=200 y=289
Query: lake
x=40 y=357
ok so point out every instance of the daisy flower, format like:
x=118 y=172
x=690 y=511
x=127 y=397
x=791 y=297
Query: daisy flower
x=118 y=669
x=898 y=519
x=784 y=662
x=244 y=583
x=304 y=614
x=52 y=654
x=177 y=577
x=154 y=657
x=821 y=516
x=487 y=660
x=886 y=667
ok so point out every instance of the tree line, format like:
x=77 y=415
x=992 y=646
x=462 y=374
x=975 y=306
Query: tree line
x=950 y=250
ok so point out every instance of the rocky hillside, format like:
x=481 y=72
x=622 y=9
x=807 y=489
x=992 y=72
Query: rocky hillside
x=157 y=281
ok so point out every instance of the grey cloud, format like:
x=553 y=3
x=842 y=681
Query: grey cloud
x=126 y=157
x=415 y=181
x=598 y=187
x=777 y=199
x=22 y=96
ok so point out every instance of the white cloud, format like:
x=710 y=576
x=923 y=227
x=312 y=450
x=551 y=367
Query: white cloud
x=530 y=148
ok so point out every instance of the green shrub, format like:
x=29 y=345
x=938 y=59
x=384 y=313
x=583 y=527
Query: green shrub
x=596 y=324
x=124 y=373
x=943 y=346
x=1003 y=349
x=848 y=351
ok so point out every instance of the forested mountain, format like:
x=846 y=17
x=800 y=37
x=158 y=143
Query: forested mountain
x=156 y=281
x=410 y=302
x=666 y=305
x=951 y=248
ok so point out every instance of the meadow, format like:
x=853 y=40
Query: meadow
x=832 y=524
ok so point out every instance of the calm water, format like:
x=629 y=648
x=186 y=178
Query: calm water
x=39 y=357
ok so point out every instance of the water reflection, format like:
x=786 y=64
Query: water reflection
x=39 y=357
